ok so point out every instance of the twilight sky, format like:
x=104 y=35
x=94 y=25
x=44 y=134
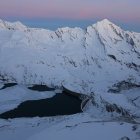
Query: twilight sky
x=126 y=11
x=71 y=9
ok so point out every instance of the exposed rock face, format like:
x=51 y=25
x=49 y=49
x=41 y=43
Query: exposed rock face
x=123 y=85
x=125 y=138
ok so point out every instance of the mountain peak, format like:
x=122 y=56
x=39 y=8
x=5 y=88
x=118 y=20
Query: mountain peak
x=104 y=22
x=13 y=25
x=2 y=22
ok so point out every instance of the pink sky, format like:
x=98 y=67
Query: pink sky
x=127 y=10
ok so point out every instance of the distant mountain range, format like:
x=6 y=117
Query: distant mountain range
x=102 y=59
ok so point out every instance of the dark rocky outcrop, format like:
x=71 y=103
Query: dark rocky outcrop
x=123 y=85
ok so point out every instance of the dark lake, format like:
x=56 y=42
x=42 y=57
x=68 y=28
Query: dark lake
x=60 y=104
x=41 y=88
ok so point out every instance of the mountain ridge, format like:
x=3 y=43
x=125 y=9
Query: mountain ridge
x=103 y=59
x=104 y=21
x=104 y=34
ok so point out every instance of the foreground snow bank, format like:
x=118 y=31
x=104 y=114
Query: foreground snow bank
x=76 y=127
x=90 y=131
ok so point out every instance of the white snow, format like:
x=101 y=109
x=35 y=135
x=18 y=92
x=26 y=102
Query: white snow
x=80 y=126
x=98 y=131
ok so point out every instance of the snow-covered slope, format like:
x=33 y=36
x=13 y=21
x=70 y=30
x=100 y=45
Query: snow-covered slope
x=97 y=57
x=103 y=59
x=75 y=127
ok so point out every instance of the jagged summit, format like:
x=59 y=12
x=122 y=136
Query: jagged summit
x=13 y=26
x=19 y=25
x=1 y=20
x=105 y=21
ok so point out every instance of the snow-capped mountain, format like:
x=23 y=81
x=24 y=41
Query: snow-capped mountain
x=104 y=53
x=102 y=59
